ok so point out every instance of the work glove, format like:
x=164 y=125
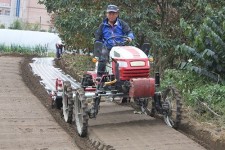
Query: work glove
x=129 y=39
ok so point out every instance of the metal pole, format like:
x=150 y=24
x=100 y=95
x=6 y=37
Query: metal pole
x=17 y=8
x=40 y=22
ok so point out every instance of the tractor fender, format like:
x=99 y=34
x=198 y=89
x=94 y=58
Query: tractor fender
x=142 y=87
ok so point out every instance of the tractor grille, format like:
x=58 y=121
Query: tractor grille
x=126 y=74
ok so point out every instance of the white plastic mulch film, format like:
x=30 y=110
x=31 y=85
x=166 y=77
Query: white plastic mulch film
x=29 y=38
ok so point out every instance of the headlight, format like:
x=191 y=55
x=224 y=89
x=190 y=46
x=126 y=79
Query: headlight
x=94 y=60
x=122 y=63
x=137 y=63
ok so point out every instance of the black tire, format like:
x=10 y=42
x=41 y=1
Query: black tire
x=80 y=113
x=58 y=102
x=171 y=98
x=67 y=102
x=125 y=100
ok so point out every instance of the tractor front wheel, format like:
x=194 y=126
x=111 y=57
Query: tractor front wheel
x=171 y=104
x=67 y=101
x=80 y=113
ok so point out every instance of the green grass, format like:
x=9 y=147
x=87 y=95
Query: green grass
x=198 y=93
x=38 y=50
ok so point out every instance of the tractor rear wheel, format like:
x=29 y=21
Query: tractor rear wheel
x=171 y=103
x=67 y=101
x=80 y=113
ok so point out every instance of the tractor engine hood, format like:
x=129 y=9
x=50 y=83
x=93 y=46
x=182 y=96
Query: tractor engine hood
x=132 y=62
x=127 y=52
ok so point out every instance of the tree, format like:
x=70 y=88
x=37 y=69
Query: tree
x=76 y=21
x=153 y=21
x=206 y=44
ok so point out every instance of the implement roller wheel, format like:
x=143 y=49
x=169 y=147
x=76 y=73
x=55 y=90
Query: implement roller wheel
x=171 y=101
x=80 y=113
x=67 y=102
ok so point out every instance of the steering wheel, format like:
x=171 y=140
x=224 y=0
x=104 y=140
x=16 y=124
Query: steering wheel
x=116 y=41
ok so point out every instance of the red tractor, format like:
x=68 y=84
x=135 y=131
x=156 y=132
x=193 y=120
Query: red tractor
x=126 y=77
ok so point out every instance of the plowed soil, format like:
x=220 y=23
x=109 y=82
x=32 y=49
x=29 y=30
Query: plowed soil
x=24 y=122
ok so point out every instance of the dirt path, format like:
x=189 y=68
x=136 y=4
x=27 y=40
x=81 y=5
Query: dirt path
x=119 y=127
x=24 y=121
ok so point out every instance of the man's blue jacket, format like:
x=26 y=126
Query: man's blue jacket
x=105 y=31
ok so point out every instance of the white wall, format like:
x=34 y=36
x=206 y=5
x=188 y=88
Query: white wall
x=28 y=38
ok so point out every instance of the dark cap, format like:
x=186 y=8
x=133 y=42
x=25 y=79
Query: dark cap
x=112 y=8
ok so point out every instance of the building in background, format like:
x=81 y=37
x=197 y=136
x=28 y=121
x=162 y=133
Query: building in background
x=7 y=9
x=28 y=11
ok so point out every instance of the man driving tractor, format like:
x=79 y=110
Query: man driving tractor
x=126 y=78
x=112 y=26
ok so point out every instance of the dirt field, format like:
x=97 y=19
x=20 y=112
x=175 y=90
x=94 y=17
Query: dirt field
x=110 y=128
x=24 y=122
